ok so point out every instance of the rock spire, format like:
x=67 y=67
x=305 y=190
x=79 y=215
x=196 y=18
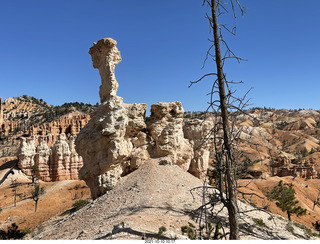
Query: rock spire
x=105 y=56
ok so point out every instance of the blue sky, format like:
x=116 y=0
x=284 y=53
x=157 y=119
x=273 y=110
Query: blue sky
x=44 y=51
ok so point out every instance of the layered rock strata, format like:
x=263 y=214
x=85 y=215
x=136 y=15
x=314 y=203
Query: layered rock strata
x=69 y=124
x=61 y=162
x=118 y=139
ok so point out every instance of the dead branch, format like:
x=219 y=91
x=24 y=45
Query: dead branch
x=10 y=171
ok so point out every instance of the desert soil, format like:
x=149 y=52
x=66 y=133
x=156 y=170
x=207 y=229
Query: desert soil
x=58 y=197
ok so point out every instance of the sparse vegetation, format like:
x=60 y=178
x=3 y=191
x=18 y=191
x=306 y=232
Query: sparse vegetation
x=34 y=170
x=243 y=166
x=36 y=192
x=34 y=100
x=43 y=114
x=162 y=229
x=284 y=195
x=190 y=230
x=304 y=152
x=14 y=186
x=205 y=232
x=282 y=124
x=13 y=233
x=26 y=231
x=309 y=232
x=259 y=222
x=78 y=205
x=316 y=225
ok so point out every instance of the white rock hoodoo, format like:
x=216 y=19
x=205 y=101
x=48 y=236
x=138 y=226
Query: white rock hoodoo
x=119 y=138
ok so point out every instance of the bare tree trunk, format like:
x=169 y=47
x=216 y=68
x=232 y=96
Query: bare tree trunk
x=15 y=197
x=35 y=205
x=289 y=215
x=231 y=191
x=10 y=171
x=316 y=202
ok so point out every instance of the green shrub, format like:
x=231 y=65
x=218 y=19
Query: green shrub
x=316 y=225
x=79 y=204
x=162 y=229
x=210 y=233
x=189 y=229
x=260 y=223
x=26 y=230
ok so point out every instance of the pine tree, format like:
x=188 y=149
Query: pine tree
x=36 y=192
x=284 y=194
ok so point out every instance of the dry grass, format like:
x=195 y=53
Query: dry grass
x=59 y=197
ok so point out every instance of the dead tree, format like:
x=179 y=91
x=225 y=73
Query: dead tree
x=10 y=171
x=316 y=202
x=14 y=185
x=224 y=132
x=231 y=200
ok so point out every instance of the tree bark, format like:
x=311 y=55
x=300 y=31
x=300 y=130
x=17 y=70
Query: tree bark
x=289 y=215
x=10 y=171
x=35 y=206
x=232 y=197
x=15 y=197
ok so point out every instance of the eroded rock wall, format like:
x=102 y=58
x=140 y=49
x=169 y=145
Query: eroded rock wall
x=61 y=162
x=69 y=124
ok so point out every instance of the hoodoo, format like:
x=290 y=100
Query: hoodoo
x=118 y=138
